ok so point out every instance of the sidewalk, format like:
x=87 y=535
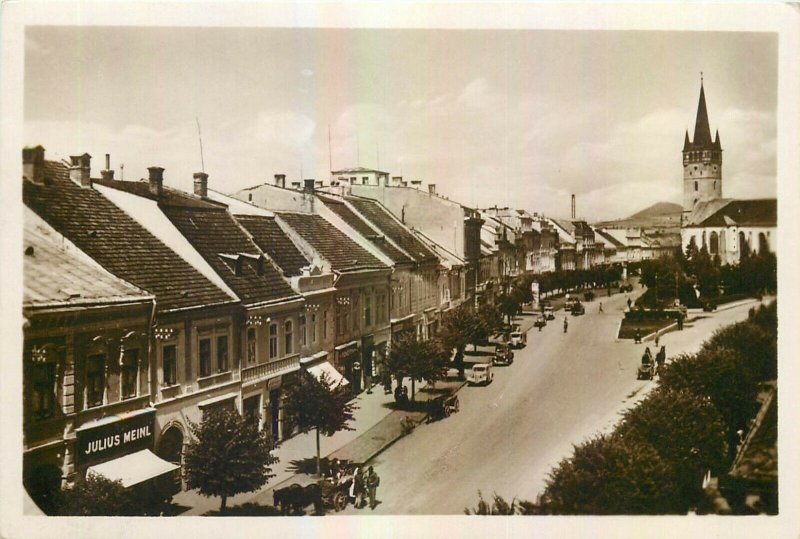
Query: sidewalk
x=376 y=424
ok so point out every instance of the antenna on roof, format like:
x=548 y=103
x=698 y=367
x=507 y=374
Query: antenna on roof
x=378 y=154
x=200 y=137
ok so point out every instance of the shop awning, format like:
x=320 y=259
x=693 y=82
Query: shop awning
x=134 y=468
x=333 y=375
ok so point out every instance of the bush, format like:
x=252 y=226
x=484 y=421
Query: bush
x=687 y=431
x=611 y=475
x=757 y=346
x=98 y=496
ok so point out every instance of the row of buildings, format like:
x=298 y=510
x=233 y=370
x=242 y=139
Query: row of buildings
x=145 y=305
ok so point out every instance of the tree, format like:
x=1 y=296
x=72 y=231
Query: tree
x=99 y=496
x=418 y=359
x=719 y=374
x=458 y=327
x=687 y=431
x=319 y=405
x=489 y=322
x=610 y=475
x=499 y=506
x=227 y=455
x=508 y=305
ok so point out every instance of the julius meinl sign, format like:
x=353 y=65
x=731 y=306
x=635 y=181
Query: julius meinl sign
x=114 y=437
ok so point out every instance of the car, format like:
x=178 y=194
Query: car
x=541 y=321
x=503 y=355
x=549 y=313
x=626 y=288
x=570 y=303
x=481 y=373
x=578 y=309
x=517 y=340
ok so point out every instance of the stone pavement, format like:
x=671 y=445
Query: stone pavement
x=376 y=426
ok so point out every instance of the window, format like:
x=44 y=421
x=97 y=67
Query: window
x=95 y=380
x=170 y=364
x=273 y=341
x=287 y=336
x=367 y=311
x=380 y=308
x=313 y=328
x=303 y=330
x=130 y=371
x=325 y=324
x=205 y=357
x=222 y=353
x=43 y=382
x=364 y=180
x=251 y=345
x=695 y=186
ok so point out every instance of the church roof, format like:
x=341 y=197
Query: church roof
x=759 y=212
x=702 y=132
x=703 y=210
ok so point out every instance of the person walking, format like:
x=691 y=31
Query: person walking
x=566 y=324
x=601 y=306
x=373 y=481
x=657 y=336
x=357 y=488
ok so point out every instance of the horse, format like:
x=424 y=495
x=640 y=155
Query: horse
x=297 y=498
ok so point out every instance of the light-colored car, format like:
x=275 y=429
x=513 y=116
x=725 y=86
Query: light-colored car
x=481 y=373
x=549 y=313
x=516 y=339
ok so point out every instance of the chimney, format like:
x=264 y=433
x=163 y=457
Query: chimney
x=573 y=206
x=280 y=180
x=432 y=188
x=200 y=184
x=79 y=171
x=296 y=185
x=156 y=180
x=107 y=173
x=319 y=184
x=416 y=183
x=397 y=180
x=33 y=164
x=308 y=186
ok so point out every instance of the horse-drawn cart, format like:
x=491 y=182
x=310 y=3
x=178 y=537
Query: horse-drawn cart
x=442 y=406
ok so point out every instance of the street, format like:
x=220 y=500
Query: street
x=560 y=390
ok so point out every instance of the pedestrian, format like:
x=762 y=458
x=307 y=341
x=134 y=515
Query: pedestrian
x=680 y=323
x=387 y=381
x=601 y=306
x=357 y=488
x=373 y=481
x=629 y=304
x=657 y=336
x=565 y=324
x=637 y=337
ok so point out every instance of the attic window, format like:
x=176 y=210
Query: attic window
x=185 y=294
x=70 y=293
x=93 y=233
x=29 y=250
x=234 y=263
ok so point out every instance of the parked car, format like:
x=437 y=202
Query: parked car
x=549 y=313
x=503 y=355
x=540 y=321
x=578 y=309
x=481 y=373
x=570 y=303
x=517 y=339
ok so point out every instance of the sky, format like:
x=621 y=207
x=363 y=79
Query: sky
x=519 y=118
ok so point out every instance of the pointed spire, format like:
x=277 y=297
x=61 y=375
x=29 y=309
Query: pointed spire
x=702 y=132
x=686 y=144
x=717 y=145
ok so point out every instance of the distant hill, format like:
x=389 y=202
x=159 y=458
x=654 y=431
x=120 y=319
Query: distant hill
x=659 y=215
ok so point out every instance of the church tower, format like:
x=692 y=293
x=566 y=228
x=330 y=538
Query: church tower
x=702 y=161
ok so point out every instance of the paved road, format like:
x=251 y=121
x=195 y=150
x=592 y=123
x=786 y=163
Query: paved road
x=560 y=390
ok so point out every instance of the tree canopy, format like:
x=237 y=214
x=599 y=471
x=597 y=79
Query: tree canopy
x=227 y=455
x=418 y=359
x=318 y=405
x=99 y=496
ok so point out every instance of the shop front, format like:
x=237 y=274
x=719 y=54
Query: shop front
x=120 y=448
x=348 y=360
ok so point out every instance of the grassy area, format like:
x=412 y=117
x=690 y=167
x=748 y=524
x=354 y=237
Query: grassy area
x=628 y=327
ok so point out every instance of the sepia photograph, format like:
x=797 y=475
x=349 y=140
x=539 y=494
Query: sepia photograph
x=338 y=264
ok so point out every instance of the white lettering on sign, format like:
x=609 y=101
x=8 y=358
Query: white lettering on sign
x=102 y=444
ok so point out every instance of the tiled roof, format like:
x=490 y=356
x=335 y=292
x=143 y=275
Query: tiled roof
x=168 y=196
x=351 y=218
x=610 y=239
x=378 y=215
x=56 y=274
x=117 y=242
x=272 y=240
x=333 y=244
x=758 y=458
x=761 y=212
x=218 y=237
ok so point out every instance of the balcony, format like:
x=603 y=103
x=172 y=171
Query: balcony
x=267 y=370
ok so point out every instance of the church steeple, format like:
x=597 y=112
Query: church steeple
x=702 y=132
x=702 y=160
